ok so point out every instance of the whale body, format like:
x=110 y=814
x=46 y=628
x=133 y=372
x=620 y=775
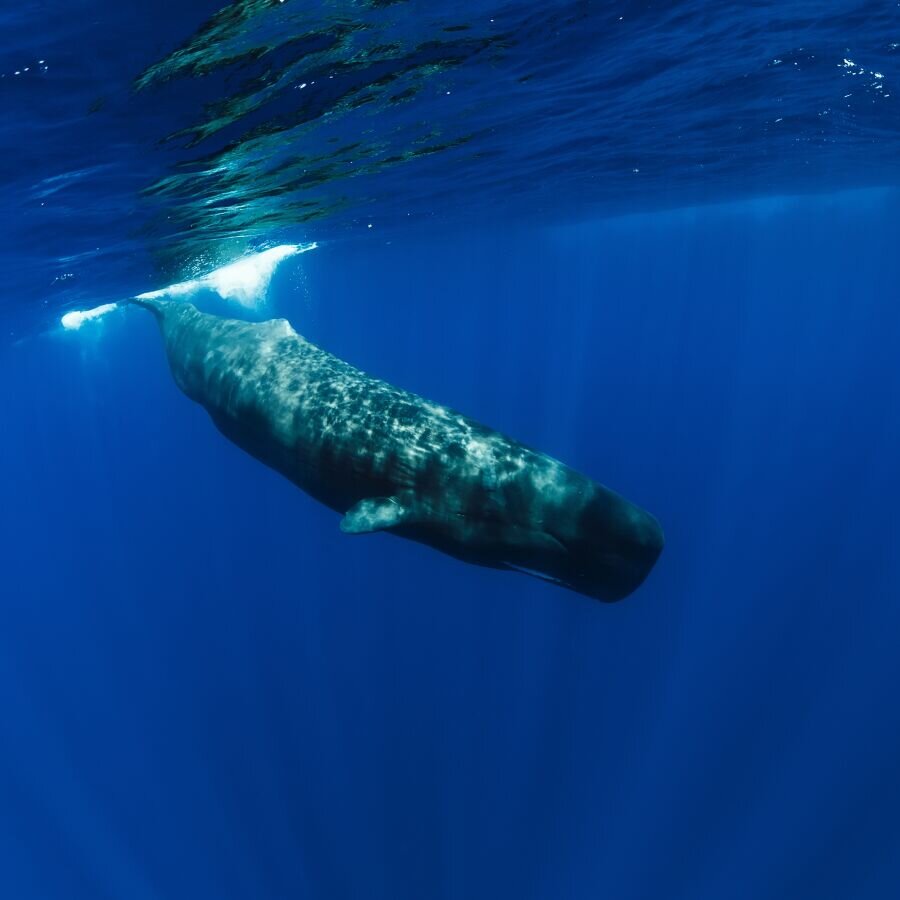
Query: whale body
x=388 y=460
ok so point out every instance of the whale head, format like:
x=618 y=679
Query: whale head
x=610 y=549
x=603 y=546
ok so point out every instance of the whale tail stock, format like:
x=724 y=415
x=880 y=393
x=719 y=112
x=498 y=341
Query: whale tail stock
x=152 y=304
x=168 y=313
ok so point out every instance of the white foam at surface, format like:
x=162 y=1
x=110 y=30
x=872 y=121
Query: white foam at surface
x=182 y=289
x=72 y=321
x=245 y=281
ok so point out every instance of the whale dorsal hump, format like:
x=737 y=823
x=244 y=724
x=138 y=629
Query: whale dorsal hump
x=374 y=514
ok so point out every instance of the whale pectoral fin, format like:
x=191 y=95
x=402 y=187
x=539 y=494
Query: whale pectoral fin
x=375 y=514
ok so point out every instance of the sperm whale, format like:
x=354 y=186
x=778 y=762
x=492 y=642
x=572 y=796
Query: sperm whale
x=388 y=460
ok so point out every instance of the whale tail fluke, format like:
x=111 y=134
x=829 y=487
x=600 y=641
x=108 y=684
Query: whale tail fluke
x=245 y=282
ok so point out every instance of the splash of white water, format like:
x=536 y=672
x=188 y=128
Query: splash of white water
x=245 y=282
x=72 y=321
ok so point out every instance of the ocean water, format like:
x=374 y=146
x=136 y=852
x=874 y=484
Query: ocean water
x=658 y=241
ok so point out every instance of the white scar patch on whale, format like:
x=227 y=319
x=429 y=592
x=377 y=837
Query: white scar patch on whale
x=245 y=282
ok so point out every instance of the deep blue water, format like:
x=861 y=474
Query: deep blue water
x=206 y=690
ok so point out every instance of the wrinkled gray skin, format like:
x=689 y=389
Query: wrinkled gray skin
x=389 y=460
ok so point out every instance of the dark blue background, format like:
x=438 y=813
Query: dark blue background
x=208 y=691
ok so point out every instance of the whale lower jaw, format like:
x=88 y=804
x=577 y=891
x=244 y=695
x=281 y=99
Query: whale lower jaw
x=535 y=574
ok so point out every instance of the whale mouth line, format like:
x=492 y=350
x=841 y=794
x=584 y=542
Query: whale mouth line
x=534 y=573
